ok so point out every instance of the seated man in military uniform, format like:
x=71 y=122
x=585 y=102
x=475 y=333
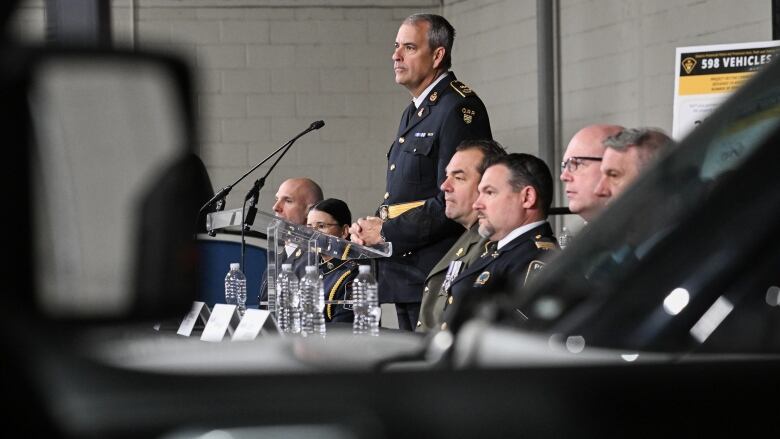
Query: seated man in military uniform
x=460 y=191
x=515 y=194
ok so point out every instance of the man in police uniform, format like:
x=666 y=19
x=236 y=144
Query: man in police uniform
x=460 y=191
x=443 y=112
x=515 y=194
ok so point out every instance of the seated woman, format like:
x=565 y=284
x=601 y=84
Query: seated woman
x=332 y=216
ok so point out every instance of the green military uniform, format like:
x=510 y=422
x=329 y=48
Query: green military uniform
x=466 y=249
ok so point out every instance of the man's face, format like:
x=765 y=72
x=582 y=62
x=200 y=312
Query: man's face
x=414 y=62
x=291 y=203
x=618 y=170
x=499 y=209
x=460 y=186
x=579 y=184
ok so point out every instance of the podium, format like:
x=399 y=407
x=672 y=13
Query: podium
x=280 y=233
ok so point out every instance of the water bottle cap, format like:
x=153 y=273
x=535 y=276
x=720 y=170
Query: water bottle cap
x=311 y=269
x=235 y=266
x=286 y=266
x=364 y=268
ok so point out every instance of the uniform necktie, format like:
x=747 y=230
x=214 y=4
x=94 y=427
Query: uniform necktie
x=490 y=248
x=409 y=112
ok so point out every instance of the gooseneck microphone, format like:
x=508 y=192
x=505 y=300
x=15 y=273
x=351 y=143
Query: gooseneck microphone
x=226 y=190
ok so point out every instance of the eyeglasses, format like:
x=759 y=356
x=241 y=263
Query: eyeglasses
x=321 y=226
x=572 y=163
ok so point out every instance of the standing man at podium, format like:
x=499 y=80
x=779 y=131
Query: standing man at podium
x=443 y=112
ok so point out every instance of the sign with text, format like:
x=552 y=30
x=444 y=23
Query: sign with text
x=706 y=75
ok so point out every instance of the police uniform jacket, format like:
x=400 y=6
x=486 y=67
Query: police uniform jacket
x=416 y=167
x=337 y=278
x=466 y=249
x=508 y=267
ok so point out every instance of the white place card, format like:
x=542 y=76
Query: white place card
x=223 y=318
x=198 y=310
x=251 y=324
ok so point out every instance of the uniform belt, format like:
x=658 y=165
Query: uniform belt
x=390 y=211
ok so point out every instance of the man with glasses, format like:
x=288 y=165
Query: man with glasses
x=580 y=169
x=628 y=154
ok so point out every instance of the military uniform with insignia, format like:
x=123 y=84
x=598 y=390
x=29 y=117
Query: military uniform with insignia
x=413 y=205
x=465 y=251
x=511 y=266
x=337 y=278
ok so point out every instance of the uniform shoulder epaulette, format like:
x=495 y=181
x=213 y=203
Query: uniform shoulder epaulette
x=462 y=89
x=544 y=243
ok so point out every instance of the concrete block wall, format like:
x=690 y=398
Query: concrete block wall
x=616 y=57
x=267 y=68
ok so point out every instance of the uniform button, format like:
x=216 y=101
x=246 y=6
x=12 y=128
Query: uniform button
x=401 y=140
x=444 y=326
x=419 y=324
x=415 y=150
x=392 y=167
x=449 y=300
x=387 y=195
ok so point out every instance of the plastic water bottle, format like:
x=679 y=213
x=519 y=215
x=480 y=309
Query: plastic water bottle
x=235 y=288
x=288 y=301
x=564 y=238
x=366 y=303
x=313 y=303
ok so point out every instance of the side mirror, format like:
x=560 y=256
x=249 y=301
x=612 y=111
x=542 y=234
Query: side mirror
x=108 y=199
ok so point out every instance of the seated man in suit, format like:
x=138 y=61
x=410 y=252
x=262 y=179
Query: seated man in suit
x=292 y=202
x=515 y=194
x=460 y=191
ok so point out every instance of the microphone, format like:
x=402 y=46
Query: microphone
x=226 y=190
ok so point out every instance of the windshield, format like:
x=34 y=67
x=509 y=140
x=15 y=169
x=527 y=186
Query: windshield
x=680 y=248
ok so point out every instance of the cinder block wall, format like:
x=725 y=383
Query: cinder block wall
x=268 y=68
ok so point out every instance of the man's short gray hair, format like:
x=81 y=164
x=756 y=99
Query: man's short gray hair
x=440 y=34
x=650 y=141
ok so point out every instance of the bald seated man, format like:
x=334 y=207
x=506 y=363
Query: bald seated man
x=580 y=169
x=292 y=202
x=294 y=198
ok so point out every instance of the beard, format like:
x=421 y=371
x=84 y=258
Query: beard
x=486 y=230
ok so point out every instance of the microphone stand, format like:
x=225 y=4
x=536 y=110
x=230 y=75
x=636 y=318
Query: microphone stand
x=219 y=197
x=253 y=196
